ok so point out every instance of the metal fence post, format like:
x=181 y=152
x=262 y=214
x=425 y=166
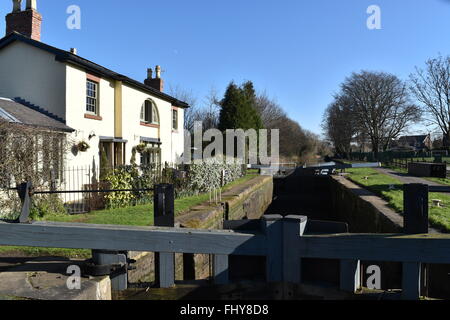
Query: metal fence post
x=164 y=216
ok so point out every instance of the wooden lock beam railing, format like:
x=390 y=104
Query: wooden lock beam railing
x=281 y=240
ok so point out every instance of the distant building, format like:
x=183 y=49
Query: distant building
x=413 y=143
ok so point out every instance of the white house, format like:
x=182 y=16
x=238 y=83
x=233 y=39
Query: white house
x=109 y=111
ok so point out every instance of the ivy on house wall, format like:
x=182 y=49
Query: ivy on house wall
x=30 y=154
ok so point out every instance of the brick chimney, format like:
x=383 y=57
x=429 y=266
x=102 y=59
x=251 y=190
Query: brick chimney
x=27 y=22
x=156 y=82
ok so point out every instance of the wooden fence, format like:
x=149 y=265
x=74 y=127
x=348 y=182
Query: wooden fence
x=280 y=239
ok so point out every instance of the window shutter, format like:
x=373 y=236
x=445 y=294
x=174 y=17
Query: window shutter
x=150 y=112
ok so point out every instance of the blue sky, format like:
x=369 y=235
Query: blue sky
x=298 y=51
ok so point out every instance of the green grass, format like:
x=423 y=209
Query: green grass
x=141 y=215
x=443 y=181
x=380 y=184
x=45 y=252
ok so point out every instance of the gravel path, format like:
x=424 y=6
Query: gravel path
x=406 y=179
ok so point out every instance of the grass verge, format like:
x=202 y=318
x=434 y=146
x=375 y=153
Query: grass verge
x=391 y=190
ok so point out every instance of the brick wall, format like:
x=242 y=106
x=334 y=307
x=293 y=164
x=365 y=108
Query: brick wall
x=26 y=22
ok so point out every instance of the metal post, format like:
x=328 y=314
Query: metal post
x=164 y=205
x=24 y=191
x=164 y=216
x=117 y=263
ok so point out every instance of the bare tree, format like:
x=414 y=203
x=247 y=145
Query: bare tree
x=296 y=144
x=381 y=106
x=207 y=113
x=271 y=113
x=339 y=125
x=431 y=87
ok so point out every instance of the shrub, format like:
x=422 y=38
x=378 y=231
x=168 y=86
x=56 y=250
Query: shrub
x=199 y=178
x=120 y=178
x=207 y=176
x=44 y=205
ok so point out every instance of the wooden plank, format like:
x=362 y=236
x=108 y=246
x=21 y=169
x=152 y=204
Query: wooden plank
x=411 y=281
x=127 y=238
x=366 y=165
x=166 y=274
x=273 y=229
x=429 y=248
x=220 y=269
x=350 y=275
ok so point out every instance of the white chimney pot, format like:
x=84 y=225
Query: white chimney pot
x=31 y=5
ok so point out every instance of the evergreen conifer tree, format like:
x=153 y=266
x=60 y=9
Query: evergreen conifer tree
x=238 y=108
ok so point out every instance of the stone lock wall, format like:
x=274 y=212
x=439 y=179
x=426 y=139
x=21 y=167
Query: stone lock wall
x=363 y=211
x=249 y=200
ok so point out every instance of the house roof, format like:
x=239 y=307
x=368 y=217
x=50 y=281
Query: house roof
x=14 y=112
x=91 y=67
x=414 y=139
